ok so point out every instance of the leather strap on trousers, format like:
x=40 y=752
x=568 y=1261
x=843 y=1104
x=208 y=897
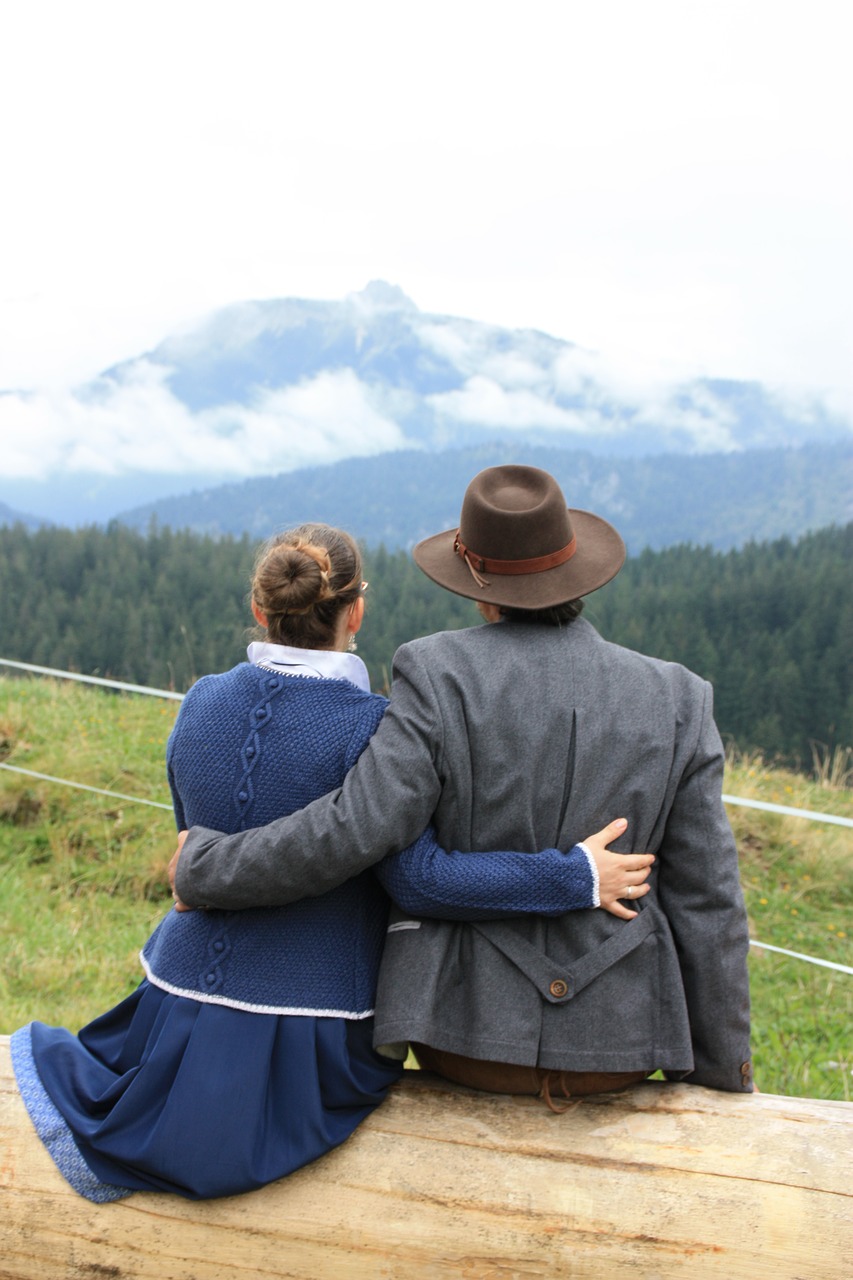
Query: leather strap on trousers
x=507 y=1077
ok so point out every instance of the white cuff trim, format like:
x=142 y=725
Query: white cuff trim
x=596 y=896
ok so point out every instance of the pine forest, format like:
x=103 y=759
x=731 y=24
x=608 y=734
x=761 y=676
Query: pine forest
x=770 y=624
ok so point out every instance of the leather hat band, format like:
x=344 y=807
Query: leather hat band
x=538 y=564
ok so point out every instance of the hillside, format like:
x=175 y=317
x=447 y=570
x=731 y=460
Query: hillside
x=8 y=515
x=717 y=500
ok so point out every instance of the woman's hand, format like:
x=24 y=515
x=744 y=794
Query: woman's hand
x=173 y=870
x=620 y=875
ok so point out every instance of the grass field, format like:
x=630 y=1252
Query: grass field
x=83 y=877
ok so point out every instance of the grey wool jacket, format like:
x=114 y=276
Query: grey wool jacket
x=515 y=735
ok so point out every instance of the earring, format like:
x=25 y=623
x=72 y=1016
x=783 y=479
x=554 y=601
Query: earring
x=351 y=644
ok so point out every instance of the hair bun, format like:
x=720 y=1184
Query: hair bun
x=303 y=579
x=295 y=579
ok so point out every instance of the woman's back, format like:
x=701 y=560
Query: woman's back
x=249 y=746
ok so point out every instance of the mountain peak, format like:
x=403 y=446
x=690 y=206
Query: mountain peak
x=381 y=296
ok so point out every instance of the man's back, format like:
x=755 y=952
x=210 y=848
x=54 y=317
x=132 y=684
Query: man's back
x=533 y=734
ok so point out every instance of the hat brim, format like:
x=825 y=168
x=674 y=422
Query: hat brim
x=599 y=556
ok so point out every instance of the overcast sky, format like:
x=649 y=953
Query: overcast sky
x=669 y=182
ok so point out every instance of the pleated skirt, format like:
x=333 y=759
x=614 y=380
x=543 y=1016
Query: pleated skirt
x=167 y=1093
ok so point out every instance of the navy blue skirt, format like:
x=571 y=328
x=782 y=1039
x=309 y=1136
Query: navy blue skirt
x=170 y=1094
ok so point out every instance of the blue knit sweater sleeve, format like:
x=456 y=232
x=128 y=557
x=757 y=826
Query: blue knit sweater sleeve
x=427 y=880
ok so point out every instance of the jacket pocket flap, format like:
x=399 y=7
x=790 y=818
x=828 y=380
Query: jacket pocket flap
x=554 y=981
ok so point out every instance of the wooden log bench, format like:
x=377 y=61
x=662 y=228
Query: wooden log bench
x=660 y=1181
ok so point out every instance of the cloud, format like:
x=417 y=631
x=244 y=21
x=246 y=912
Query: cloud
x=318 y=420
x=515 y=369
x=135 y=423
x=633 y=403
x=505 y=387
x=707 y=422
x=484 y=401
x=642 y=395
x=455 y=341
x=629 y=380
x=474 y=348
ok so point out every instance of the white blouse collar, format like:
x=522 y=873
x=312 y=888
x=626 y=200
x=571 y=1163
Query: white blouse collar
x=318 y=664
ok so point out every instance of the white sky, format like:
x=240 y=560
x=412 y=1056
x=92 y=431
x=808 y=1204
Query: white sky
x=667 y=181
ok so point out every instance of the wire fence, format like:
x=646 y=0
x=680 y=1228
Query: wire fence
x=109 y=684
x=767 y=806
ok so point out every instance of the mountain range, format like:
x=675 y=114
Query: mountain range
x=417 y=379
x=271 y=399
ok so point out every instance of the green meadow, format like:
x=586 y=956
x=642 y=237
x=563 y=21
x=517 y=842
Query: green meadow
x=83 y=876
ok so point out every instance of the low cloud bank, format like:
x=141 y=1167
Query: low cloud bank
x=476 y=382
x=136 y=423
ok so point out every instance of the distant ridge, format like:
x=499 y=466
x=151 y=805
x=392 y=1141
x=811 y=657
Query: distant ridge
x=718 y=500
x=8 y=515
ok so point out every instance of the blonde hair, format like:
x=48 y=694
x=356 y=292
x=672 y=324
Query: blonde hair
x=303 y=581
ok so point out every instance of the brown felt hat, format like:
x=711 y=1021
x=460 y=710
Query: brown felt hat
x=518 y=545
